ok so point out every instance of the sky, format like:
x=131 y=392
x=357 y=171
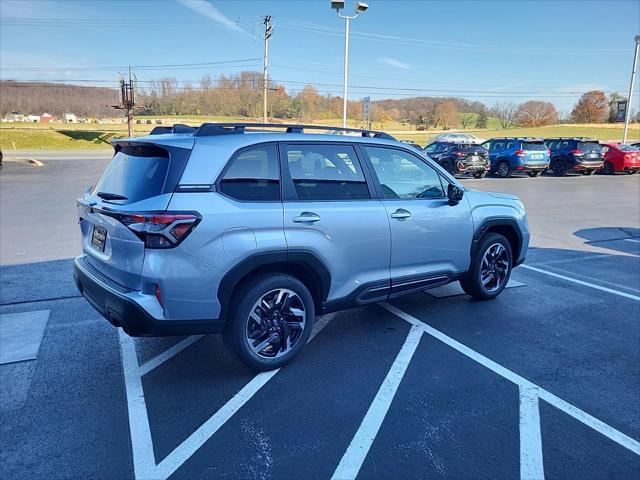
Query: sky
x=481 y=50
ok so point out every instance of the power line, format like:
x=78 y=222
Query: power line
x=222 y=63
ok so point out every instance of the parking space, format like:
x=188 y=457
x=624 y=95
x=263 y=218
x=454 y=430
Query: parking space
x=544 y=381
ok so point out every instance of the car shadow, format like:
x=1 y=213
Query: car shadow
x=620 y=239
x=88 y=136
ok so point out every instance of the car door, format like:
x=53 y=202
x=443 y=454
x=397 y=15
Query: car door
x=330 y=211
x=430 y=239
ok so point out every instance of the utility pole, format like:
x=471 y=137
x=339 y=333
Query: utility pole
x=267 y=35
x=127 y=100
x=633 y=77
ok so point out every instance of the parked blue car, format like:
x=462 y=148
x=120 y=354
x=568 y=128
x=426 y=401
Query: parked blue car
x=517 y=154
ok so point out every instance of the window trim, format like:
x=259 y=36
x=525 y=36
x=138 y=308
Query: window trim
x=236 y=154
x=289 y=192
x=378 y=186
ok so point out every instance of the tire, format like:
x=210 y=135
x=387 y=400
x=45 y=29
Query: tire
x=503 y=169
x=533 y=174
x=586 y=173
x=559 y=168
x=479 y=174
x=447 y=166
x=472 y=282
x=608 y=168
x=243 y=330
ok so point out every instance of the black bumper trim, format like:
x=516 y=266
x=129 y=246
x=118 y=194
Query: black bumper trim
x=123 y=312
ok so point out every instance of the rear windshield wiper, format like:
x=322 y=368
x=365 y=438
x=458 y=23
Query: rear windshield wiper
x=111 y=196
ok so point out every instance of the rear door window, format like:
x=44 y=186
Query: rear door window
x=253 y=175
x=135 y=173
x=326 y=172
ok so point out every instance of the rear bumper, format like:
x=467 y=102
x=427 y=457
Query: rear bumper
x=589 y=165
x=473 y=167
x=113 y=303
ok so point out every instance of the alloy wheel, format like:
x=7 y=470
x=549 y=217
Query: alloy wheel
x=494 y=267
x=276 y=323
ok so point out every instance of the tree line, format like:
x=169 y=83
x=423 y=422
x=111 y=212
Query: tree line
x=240 y=95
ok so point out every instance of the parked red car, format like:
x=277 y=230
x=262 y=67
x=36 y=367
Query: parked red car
x=620 y=158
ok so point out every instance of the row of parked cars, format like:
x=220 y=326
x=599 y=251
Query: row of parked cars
x=505 y=156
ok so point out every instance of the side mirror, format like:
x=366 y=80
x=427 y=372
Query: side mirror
x=454 y=194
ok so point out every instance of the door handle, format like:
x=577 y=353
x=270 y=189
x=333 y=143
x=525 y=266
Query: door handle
x=401 y=214
x=307 y=217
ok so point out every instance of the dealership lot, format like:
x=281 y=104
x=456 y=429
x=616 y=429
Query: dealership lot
x=544 y=380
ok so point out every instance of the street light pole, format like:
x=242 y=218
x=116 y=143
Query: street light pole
x=360 y=8
x=346 y=71
x=633 y=78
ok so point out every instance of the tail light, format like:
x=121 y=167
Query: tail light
x=521 y=153
x=158 y=229
x=577 y=153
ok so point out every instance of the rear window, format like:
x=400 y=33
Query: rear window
x=471 y=148
x=589 y=146
x=627 y=148
x=136 y=173
x=534 y=146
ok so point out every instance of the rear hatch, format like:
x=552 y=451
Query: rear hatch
x=472 y=155
x=592 y=152
x=535 y=152
x=140 y=178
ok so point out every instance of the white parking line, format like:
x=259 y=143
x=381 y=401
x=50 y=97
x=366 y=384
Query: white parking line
x=186 y=449
x=531 y=464
x=166 y=355
x=581 y=282
x=598 y=425
x=353 y=458
x=144 y=463
x=141 y=444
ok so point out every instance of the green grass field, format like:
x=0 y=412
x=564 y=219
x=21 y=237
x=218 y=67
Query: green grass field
x=27 y=136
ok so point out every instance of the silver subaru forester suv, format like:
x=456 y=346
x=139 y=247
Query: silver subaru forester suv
x=252 y=230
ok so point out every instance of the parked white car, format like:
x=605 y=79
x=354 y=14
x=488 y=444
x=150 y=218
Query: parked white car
x=458 y=138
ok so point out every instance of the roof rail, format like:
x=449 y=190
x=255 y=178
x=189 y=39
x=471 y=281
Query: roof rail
x=208 y=129
x=176 y=128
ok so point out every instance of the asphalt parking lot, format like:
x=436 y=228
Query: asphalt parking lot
x=544 y=381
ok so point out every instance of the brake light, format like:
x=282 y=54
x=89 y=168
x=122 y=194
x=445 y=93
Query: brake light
x=521 y=153
x=577 y=153
x=158 y=230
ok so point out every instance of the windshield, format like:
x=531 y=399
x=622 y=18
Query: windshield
x=534 y=146
x=471 y=148
x=628 y=148
x=589 y=146
x=135 y=173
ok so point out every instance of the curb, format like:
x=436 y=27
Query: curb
x=32 y=161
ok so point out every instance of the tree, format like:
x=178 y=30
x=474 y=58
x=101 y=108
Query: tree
x=482 y=121
x=536 y=114
x=446 y=113
x=506 y=113
x=466 y=119
x=591 y=108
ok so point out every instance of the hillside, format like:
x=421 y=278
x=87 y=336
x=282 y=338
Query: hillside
x=56 y=99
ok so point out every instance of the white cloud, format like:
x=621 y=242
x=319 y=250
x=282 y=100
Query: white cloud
x=206 y=9
x=511 y=85
x=392 y=62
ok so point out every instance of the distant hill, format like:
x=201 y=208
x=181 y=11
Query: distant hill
x=56 y=99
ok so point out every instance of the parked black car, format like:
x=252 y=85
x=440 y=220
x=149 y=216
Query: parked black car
x=575 y=154
x=460 y=157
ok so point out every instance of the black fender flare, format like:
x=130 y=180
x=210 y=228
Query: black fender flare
x=280 y=259
x=496 y=222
